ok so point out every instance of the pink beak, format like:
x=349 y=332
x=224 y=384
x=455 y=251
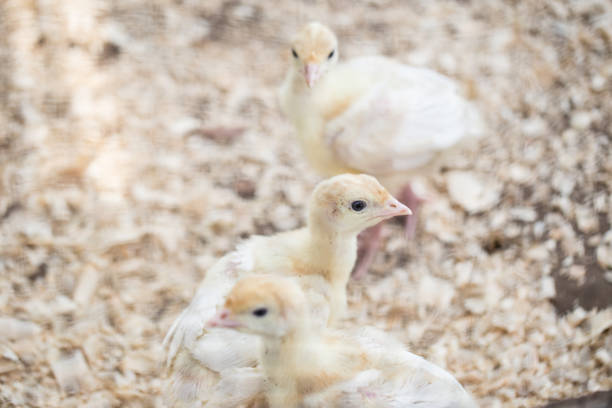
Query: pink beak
x=222 y=319
x=393 y=208
x=311 y=74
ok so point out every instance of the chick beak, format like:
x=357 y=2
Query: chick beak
x=311 y=74
x=394 y=208
x=223 y=319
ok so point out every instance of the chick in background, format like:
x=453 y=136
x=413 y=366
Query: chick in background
x=372 y=115
x=313 y=367
x=216 y=367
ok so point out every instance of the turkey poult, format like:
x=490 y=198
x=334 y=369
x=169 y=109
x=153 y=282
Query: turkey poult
x=314 y=367
x=218 y=367
x=372 y=115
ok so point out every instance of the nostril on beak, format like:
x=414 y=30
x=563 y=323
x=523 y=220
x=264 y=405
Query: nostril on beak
x=393 y=205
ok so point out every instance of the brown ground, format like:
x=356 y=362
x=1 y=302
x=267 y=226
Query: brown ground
x=140 y=140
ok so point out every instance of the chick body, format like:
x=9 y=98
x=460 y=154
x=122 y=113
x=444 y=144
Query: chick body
x=373 y=114
x=313 y=367
x=320 y=255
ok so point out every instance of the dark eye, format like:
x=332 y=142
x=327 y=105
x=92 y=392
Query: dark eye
x=294 y=53
x=358 y=205
x=261 y=312
x=331 y=54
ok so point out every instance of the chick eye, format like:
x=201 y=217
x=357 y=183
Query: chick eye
x=331 y=54
x=261 y=312
x=358 y=205
x=294 y=53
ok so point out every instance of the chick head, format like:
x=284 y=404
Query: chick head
x=314 y=50
x=351 y=203
x=262 y=304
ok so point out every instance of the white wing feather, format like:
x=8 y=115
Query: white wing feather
x=405 y=117
x=237 y=387
x=189 y=326
x=222 y=348
x=203 y=362
x=396 y=379
x=409 y=380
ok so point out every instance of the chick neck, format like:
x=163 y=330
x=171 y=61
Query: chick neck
x=297 y=81
x=284 y=354
x=300 y=328
x=332 y=252
x=305 y=361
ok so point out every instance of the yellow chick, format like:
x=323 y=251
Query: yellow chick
x=311 y=367
x=372 y=115
x=205 y=365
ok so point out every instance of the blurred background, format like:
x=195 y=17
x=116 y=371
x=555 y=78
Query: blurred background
x=141 y=140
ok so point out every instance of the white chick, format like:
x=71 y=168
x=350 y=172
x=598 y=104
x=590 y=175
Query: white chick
x=313 y=367
x=322 y=254
x=372 y=115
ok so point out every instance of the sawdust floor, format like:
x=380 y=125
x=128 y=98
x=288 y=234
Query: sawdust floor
x=140 y=140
